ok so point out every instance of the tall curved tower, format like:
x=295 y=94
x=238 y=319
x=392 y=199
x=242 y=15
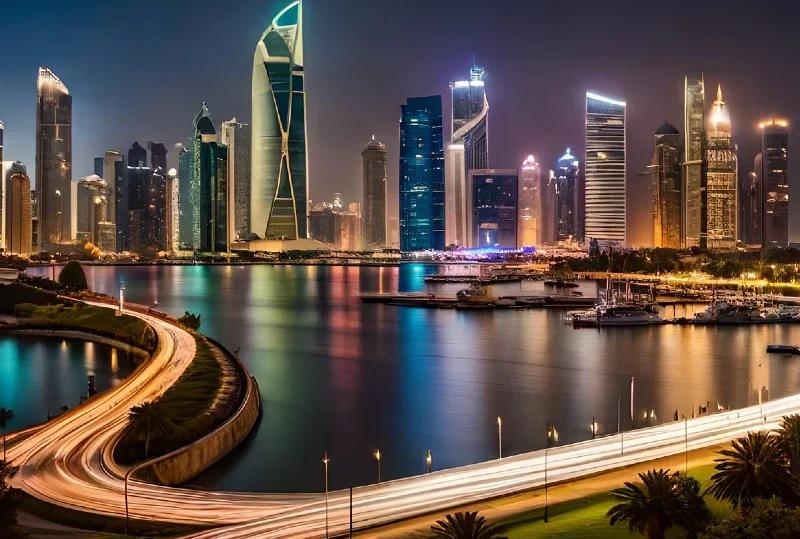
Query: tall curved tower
x=279 y=181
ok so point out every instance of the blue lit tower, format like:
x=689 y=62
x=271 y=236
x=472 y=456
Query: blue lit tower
x=279 y=180
x=421 y=175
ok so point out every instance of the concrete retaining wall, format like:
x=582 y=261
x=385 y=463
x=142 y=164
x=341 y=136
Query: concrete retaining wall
x=125 y=347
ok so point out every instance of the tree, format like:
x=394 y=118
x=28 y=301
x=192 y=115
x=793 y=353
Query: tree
x=148 y=417
x=72 y=277
x=10 y=499
x=660 y=501
x=767 y=519
x=465 y=526
x=755 y=467
x=191 y=321
x=789 y=436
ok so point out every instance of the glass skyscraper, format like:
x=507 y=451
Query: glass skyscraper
x=17 y=206
x=605 y=169
x=667 y=188
x=775 y=182
x=53 y=161
x=279 y=179
x=422 y=220
x=529 y=198
x=373 y=159
x=694 y=164
x=186 y=210
x=208 y=186
x=493 y=204
x=566 y=198
x=721 y=196
x=138 y=178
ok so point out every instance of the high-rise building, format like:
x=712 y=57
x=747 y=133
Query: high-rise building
x=17 y=206
x=2 y=192
x=209 y=187
x=120 y=196
x=373 y=159
x=92 y=207
x=750 y=205
x=241 y=175
x=229 y=136
x=605 y=169
x=279 y=179
x=173 y=211
x=422 y=215
x=157 y=217
x=721 y=179
x=694 y=165
x=185 y=199
x=566 y=198
x=109 y=174
x=667 y=188
x=467 y=150
x=34 y=221
x=775 y=182
x=53 y=161
x=492 y=198
x=529 y=198
x=138 y=179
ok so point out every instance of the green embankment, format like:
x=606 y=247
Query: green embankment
x=185 y=407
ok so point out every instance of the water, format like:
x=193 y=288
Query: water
x=344 y=377
x=39 y=375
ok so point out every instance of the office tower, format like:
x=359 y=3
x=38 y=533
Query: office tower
x=109 y=174
x=92 y=204
x=694 y=165
x=775 y=182
x=120 y=196
x=229 y=136
x=138 y=178
x=241 y=174
x=751 y=205
x=53 y=161
x=279 y=180
x=605 y=169
x=17 y=206
x=721 y=179
x=337 y=227
x=492 y=199
x=209 y=186
x=566 y=198
x=468 y=149
x=373 y=159
x=173 y=211
x=667 y=188
x=422 y=221
x=186 y=209
x=529 y=221
x=157 y=225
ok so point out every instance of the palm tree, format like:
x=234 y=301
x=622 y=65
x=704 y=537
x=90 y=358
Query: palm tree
x=660 y=501
x=150 y=418
x=789 y=435
x=755 y=467
x=465 y=526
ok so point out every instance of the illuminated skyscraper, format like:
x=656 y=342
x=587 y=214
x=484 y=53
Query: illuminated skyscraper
x=279 y=179
x=667 y=188
x=373 y=159
x=138 y=178
x=422 y=215
x=53 y=161
x=529 y=199
x=173 y=210
x=694 y=165
x=17 y=206
x=186 y=209
x=157 y=225
x=209 y=187
x=721 y=179
x=750 y=205
x=605 y=169
x=775 y=182
x=230 y=139
x=492 y=199
x=565 y=194
x=467 y=150
x=92 y=206
x=110 y=160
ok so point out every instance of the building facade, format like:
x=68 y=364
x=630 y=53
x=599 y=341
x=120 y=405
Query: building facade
x=422 y=212
x=241 y=175
x=279 y=171
x=138 y=179
x=17 y=207
x=92 y=207
x=775 y=182
x=529 y=198
x=230 y=139
x=209 y=189
x=721 y=194
x=668 y=188
x=492 y=198
x=185 y=198
x=373 y=160
x=750 y=199
x=467 y=150
x=565 y=195
x=157 y=226
x=53 y=162
x=110 y=160
x=605 y=206
x=694 y=165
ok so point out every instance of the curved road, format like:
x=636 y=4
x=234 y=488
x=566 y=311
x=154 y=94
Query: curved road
x=67 y=462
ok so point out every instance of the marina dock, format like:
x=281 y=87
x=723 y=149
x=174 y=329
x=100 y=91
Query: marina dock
x=417 y=299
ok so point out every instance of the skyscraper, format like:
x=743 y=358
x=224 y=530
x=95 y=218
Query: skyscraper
x=91 y=207
x=373 y=159
x=157 y=225
x=721 y=179
x=467 y=150
x=53 y=161
x=185 y=199
x=230 y=133
x=775 y=182
x=566 y=198
x=694 y=165
x=2 y=192
x=173 y=211
x=279 y=180
x=138 y=178
x=422 y=216
x=17 y=206
x=241 y=173
x=752 y=205
x=529 y=198
x=492 y=199
x=667 y=188
x=209 y=186
x=110 y=160
x=605 y=169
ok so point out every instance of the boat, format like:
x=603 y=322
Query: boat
x=627 y=315
x=783 y=349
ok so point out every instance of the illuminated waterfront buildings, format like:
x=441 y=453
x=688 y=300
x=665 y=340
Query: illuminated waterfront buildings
x=566 y=189
x=774 y=183
x=373 y=159
x=694 y=165
x=53 y=161
x=279 y=180
x=721 y=179
x=17 y=209
x=667 y=188
x=422 y=215
x=605 y=169
x=529 y=198
x=467 y=150
x=492 y=198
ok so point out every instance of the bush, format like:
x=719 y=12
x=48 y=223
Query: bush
x=72 y=277
x=13 y=294
x=189 y=320
x=767 y=519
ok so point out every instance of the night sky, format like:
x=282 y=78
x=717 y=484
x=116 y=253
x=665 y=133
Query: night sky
x=140 y=70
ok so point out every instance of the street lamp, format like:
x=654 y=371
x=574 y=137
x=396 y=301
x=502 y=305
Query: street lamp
x=378 y=458
x=121 y=296
x=429 y=460
x=552 y=439
x=500 y=436
x=594 y=428
x=325 y=461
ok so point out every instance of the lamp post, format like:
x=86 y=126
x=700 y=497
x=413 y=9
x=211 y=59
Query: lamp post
x=378 y=458
x=552 y=439
x=594 y=428
x=500 y=437
x=325 y=461
x=429 y=460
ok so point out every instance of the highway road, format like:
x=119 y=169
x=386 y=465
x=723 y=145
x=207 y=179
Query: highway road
x=67 y=462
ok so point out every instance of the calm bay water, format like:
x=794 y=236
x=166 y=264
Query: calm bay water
x=39 y=375
x=344 y=377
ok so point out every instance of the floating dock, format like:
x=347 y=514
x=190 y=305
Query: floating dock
x=417 y=299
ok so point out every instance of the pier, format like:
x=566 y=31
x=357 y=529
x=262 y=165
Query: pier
x=417 y=299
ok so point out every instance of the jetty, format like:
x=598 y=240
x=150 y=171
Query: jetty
x=418 y=299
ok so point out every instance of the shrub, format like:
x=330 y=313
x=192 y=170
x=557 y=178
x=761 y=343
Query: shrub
x=72 y=277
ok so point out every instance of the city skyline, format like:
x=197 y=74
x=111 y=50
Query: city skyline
x=543 y=123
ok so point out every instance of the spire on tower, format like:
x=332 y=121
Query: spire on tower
x=719 y=92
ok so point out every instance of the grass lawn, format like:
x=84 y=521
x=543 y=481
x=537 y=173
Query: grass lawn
x=586 y=517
